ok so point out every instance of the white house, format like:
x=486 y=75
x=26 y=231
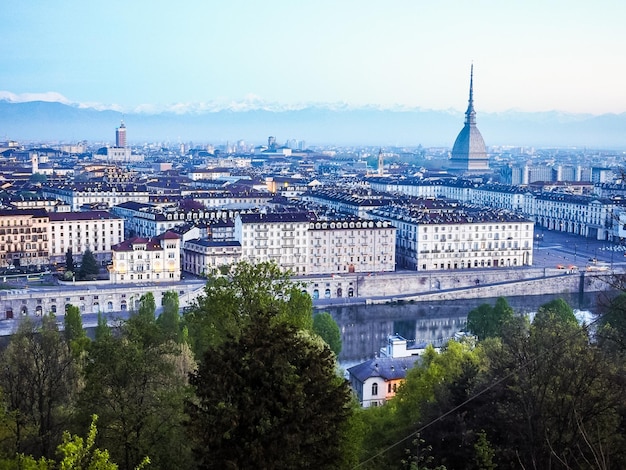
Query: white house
x=139 y=259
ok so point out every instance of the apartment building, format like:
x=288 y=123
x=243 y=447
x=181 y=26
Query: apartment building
x=24 y=238
x=464 y=238
x=79 y=194
x=279 y=237
x=150 y=220
x=590 y=216
x=97 y=231
x=354 y=202
x=232 y=199
x=351 y=246
x=138 y=259
x=203 y=256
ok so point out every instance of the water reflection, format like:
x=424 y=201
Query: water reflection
x=365 y=328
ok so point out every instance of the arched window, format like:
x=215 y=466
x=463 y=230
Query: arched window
x=374 y=389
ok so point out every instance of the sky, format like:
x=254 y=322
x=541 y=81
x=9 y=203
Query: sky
x=152 y=55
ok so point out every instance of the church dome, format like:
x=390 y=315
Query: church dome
x=469 y=143
x=469 y=152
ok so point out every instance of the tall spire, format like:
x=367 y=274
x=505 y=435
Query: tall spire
x=470 y=114
x=469 y=152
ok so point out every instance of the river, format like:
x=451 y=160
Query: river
x=365 y=328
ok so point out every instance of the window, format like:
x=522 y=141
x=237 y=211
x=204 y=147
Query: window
x=374 y=389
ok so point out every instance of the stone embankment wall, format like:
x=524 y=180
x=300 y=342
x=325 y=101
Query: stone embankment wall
x=570 y=284
x=375 y=288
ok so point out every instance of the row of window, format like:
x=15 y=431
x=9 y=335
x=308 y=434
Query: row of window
x=390 y=388
x=14 y=222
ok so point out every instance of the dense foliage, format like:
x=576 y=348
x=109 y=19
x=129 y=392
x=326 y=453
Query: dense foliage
x=325 y=326
x=253 y=339
x=544 y=394
x=486 y=321
x=247 y=378
x=269 y=399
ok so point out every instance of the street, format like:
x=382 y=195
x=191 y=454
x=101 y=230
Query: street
x=552 y=249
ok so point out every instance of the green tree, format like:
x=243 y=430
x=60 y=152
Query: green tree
x=486 y=321
x=39 y=376
x=75 y=453
x=147 y=306
x=269 y=398
x=230 y=300
x=561 y=403
x=74 y=333
x=102 y=328
x=136 y=382
x=325 y=326
x=169 y=319
x=69 y=261
x=442 y=381
x=433 y=387
x=556 y=309
x=611 y=332
x=88 y=266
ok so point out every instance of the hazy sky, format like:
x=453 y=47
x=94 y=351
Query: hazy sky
x=530 y=55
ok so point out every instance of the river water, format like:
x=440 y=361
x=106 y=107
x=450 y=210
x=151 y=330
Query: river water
x=365 y=328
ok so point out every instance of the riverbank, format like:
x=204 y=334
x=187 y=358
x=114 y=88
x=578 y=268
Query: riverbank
x=455 y=285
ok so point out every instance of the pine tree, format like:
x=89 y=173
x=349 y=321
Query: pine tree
x=89 y=266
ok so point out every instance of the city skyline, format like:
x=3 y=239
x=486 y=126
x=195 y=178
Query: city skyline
x=155 y=56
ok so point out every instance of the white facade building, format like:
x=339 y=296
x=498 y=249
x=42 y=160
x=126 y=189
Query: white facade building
x=97 y=231
x=203 y=257
x=376 y=381
x=590 y=216
x=278 y=237
x=351 y=246
x=139 y=259
x=80 y=194
x=459 y=238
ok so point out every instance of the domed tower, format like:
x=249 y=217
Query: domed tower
x=469 y=152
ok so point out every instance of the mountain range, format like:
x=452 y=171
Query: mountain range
x=316 y=125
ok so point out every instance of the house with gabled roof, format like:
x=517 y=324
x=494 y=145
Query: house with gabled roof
x=377 y=380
